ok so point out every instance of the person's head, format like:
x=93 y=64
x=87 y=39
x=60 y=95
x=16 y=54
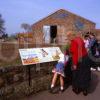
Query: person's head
x=86 y=37
x=91 y=35
x=71 y=35
x=87 y=33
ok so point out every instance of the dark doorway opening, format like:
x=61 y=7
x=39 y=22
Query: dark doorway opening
x=53 y=33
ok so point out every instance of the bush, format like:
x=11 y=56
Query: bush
x=66 y=47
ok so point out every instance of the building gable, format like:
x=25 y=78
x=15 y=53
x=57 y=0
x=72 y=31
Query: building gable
x=62 y=15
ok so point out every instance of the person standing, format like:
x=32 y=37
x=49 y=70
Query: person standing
x=86 y=41
x=94 y=52
x=81 y=74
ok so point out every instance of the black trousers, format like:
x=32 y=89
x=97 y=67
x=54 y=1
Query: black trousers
x=94 y=60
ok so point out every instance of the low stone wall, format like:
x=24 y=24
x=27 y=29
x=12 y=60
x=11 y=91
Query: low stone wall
x=14 y=81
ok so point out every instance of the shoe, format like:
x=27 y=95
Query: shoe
x=76 y=90
x=51 y=89
x=62 y=90
x=85 y=93
x=54 y=90
x=98 y=68
x=93 y=69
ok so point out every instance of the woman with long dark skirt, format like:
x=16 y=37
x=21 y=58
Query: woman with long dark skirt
x=81 y=74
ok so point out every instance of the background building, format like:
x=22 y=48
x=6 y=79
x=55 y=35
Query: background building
x=54 y=27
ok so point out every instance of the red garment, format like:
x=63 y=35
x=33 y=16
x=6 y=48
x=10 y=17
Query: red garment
x=77 y=49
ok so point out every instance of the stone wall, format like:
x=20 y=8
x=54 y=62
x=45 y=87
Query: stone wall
x=14 y=81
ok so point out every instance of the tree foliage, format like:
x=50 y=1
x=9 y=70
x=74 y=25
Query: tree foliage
x=26 y=27
x=2 y=29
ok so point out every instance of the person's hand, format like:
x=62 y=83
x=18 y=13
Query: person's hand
x=74 y=67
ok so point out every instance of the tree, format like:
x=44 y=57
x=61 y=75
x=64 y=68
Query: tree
x=26 y=27
x=2 y=29
x=4 y=36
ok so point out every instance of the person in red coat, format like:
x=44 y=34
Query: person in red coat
x=81 y=73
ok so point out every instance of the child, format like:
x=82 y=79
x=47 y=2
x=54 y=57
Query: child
x=59 y=70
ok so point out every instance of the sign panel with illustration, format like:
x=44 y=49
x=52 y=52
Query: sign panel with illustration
x=39 y=55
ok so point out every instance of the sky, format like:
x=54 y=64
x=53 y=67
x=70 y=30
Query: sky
x=16 y=12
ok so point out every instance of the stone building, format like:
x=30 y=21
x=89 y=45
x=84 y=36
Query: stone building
x=53 y=28
x=97 y=33
x=25 y=37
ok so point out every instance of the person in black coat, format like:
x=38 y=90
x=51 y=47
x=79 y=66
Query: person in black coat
x=94 y=52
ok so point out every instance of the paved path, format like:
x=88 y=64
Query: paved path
x=69 y=95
